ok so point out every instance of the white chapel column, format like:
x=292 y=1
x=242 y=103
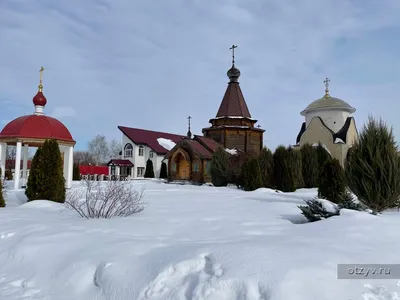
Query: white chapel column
x=3 y=155
x=117 y=172
x=70 y=164
x=17 y=168
x=25 y=165
x=64 y=151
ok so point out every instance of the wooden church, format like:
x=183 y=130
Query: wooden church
x=232 y=128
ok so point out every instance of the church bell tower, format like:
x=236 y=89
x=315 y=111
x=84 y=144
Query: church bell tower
x=233 y=126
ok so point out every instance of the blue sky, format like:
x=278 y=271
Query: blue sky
x=150 y=64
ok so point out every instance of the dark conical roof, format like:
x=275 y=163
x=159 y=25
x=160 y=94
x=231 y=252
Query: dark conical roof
x=233 y=103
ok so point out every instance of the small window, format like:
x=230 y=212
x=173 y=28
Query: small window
x=112 y=170
x=140 y=172
x=195 y=167
x=151 y=154
x=173 y=167
x=141 y=150
x=128 y=150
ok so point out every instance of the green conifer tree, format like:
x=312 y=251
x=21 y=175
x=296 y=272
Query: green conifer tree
x=372 y=167
x=2 y=201
x=149 y=173
x=76 y=172
x=251 y=175
x=323 y=155
x=163 y=171
x=220 y=168
x=284 y=176
x=266 y=163
x=331 y=183
x=48 y=181
x=310 y=166
x=32 y=186
x=295 y=166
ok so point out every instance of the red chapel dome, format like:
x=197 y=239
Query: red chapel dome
x=36 y=127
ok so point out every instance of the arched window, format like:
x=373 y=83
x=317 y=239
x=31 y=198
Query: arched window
x=128 y=150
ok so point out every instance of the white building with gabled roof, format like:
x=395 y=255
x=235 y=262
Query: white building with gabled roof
x=139 y=145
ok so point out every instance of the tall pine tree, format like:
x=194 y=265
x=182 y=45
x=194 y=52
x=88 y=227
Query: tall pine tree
x=284 y=175
x=323 y=155
x=149 y=173
x=310 y=166
x=266 y=162
x=76 y=174
x=331 y=184
x=46 y=180
x=251 y=175
x=32 y=186
x=295 y=166
x=2 y=201
x=163 y=171
x=372 y=167
x=220 y=167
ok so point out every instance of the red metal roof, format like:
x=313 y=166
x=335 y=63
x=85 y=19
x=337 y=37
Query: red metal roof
x=149 y=138
x=208 y=143
x=36 y=127
x=233 y=103
x=93 y=170
x=10 y=164
x=200 y=149
x=120 y=162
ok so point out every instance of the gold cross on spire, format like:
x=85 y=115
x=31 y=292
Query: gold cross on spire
x=233 y=54
x=189 y=133
x=41 y=79
x=326 y=81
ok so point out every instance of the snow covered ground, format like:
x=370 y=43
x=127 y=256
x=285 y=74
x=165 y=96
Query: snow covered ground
x=193 y=242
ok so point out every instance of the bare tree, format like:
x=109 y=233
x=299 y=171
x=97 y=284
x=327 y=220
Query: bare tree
x=115 y=148
x=99 y=150
x=107 y=199
x=83 y=158
x=11 y=154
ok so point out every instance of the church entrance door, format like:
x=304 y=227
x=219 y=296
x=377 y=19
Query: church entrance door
x=183 y=168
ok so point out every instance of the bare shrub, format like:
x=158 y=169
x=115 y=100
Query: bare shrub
x=107 y=199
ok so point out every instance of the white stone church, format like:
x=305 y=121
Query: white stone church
x=329 y=121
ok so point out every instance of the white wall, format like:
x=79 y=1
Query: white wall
x=334 y=119
x=140 y=161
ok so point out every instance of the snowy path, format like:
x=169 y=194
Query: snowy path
x=192 y=243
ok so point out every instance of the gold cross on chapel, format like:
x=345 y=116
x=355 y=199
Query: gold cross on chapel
x=326 y=81
x=233 y=53
x=41 y=79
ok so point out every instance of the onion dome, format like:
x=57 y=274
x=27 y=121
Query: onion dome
x=39 y=98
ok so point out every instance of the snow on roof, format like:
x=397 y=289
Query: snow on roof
x=234 y=117
x=338 y=140
x=166 y=143
x=231 y=151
